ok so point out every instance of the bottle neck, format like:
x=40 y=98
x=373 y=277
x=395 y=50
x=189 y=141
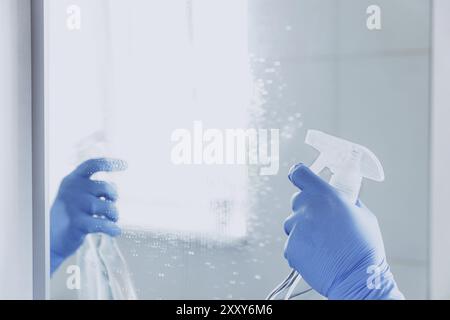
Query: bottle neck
x=348 y=182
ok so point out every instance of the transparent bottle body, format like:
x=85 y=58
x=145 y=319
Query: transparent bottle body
x=104 y=270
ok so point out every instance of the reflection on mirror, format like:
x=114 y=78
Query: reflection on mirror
x=207 y=105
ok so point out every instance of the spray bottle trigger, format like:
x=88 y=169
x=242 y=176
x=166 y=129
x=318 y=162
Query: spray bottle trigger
x=371 y=167
x=318 y=165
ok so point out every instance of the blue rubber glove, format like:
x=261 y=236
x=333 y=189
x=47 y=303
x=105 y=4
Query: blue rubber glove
x=83 y=206
x=335 y=245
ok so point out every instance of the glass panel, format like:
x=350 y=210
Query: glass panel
x=209 y=103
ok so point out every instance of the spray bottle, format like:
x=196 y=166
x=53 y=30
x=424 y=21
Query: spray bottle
x=348 y=163
x=101 y=260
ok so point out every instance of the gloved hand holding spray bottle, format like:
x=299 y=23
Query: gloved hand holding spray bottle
x=334 y=240
x=105 y=274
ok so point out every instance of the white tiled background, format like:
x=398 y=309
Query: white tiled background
x=371 y=87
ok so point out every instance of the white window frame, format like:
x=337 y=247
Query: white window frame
x=41 y=225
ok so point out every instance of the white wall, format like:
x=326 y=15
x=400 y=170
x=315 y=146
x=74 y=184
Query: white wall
x=440 y=155
x=15 y=146
x=384 y=103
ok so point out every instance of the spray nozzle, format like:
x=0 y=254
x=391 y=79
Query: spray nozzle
x=347 y=161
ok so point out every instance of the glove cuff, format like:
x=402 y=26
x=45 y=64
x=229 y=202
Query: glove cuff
x=375 y=282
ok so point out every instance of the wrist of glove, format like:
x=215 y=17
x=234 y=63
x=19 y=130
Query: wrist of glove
x=367 y=283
